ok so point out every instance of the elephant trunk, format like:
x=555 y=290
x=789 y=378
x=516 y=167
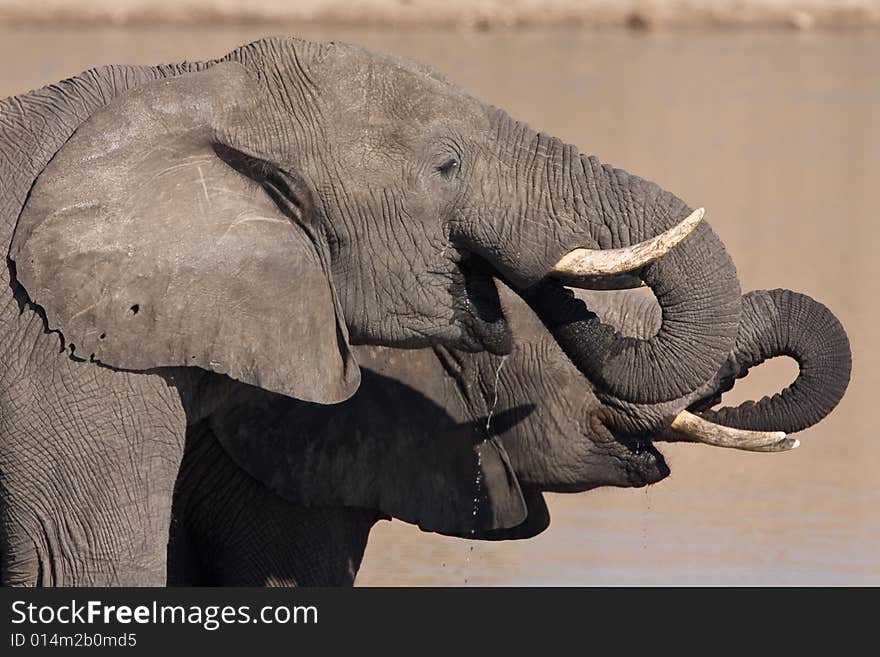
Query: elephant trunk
x=785 y=323
x=695 y=284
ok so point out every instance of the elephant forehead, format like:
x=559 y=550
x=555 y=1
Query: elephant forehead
x=384 y=98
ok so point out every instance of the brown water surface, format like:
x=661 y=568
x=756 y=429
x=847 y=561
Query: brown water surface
x=777 y=134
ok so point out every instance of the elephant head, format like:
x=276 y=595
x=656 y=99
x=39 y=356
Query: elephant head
x=598 y=439
x=256 y=215
x=464 y=444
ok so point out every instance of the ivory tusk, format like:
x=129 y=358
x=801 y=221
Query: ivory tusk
x=579 y=267
x=700 y=430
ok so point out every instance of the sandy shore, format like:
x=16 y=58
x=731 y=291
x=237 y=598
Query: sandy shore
x=467 y=14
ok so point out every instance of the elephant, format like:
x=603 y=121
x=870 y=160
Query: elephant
x=282 y=492
x=181 y=238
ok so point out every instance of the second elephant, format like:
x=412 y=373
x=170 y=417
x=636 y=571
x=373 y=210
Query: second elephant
x=277 y=491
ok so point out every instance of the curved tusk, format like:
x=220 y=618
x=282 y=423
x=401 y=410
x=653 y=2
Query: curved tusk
x=701 y=430
x=579 y=266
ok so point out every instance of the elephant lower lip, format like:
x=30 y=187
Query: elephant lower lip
x=646 y=464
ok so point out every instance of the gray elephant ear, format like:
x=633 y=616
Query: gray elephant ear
x=390 y=448
x=150 y=240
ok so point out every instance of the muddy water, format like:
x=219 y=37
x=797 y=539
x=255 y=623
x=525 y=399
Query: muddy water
x=778 y=136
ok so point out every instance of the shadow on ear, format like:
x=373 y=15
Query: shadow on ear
x=389 y=448
x=151 y=242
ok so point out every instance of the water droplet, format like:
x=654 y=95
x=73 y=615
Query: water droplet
x=495 y=399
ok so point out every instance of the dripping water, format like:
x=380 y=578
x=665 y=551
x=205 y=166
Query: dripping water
x=495 y=391
x=478 y=479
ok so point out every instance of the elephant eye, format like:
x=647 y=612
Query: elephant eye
x=448 y=168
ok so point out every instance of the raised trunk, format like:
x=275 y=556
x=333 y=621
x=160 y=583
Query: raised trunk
x=785 y=323
x=695 y=285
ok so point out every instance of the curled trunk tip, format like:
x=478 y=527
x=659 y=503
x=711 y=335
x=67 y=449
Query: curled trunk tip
x=785 y=323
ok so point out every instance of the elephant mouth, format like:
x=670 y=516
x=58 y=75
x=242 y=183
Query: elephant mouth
x=480 y=311
x=621 y=462
x=643 y=463
x=647 y=466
